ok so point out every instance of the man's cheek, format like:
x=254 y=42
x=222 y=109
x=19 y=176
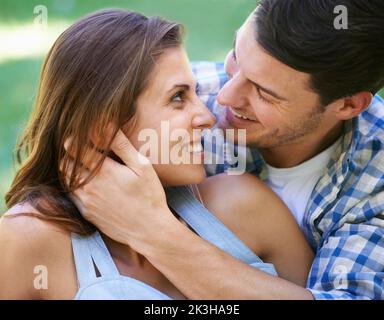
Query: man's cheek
x=268 y=118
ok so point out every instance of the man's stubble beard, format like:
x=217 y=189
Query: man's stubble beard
x=297 y=131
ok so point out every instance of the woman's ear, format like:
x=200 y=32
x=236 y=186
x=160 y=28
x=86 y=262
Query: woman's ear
x=129 y=126
x=351 y=107
x=101 y=137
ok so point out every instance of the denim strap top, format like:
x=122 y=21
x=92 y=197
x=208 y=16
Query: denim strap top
x=91 y=253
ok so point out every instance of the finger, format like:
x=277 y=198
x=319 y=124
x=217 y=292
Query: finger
x=85 y=171
x=77 y=202
x=91 y=158
x=70 y=174
x=126 y=151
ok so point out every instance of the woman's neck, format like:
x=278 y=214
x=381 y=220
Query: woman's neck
x=123 y=253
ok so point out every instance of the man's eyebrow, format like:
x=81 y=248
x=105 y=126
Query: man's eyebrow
x=234 y=44
x=268 y=91
x=259 y=87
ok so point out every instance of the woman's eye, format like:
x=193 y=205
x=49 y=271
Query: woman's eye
x=178 y=97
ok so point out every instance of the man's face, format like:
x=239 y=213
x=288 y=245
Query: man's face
x=280 y=107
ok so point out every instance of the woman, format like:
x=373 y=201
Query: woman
x=117 y=70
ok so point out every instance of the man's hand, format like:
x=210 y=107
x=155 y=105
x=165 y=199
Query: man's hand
x=126 y=202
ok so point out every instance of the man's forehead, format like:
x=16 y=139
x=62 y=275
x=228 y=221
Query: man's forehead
x=260 y=66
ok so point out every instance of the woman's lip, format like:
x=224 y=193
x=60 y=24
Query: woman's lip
x=190 y=144
x=200 y=154
x=238 y=122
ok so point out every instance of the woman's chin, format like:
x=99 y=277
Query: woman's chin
x=182 y=175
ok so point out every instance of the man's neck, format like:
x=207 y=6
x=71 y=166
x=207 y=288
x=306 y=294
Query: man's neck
x=292 y=155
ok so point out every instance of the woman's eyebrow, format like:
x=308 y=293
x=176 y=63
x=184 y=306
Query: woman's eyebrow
x=183 y=86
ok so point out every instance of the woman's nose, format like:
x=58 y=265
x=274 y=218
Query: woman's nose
x=203 y=119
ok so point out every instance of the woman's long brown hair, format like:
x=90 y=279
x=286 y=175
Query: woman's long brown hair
x=91 y=78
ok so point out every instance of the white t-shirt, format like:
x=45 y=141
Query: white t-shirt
x=295 y=185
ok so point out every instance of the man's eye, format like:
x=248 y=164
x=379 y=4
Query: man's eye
x=234 y=55
x=197 y=90
x=265 y=100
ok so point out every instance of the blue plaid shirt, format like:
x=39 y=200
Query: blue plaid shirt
x=344 y=218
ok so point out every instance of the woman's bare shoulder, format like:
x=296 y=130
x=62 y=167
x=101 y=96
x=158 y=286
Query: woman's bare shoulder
x=29 y=246
x=236 y=191
x=21 y=225
x=244 y=203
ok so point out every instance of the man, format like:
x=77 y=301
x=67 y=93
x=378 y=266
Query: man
x=304 y=91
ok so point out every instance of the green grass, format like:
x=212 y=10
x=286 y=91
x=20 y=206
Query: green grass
x=210 y=22
x=18 y=82
x=210 y=27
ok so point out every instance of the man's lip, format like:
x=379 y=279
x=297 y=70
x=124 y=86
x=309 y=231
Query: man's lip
x=236 y=113
x=238 y=122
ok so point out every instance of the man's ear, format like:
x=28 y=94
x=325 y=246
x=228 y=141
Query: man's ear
x=351 y=107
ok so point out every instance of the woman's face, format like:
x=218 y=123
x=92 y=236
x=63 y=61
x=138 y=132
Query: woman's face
x=169 y=119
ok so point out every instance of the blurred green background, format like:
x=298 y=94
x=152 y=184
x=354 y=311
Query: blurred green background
x=210 y=28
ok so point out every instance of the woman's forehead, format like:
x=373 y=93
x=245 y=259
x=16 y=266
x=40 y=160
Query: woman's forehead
x=171 y=69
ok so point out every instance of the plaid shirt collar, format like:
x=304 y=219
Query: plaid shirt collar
x=346 y=159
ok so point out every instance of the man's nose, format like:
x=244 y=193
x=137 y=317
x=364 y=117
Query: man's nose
x=231 y=94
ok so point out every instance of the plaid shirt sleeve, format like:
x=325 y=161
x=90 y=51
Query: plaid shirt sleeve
x=350 y=262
